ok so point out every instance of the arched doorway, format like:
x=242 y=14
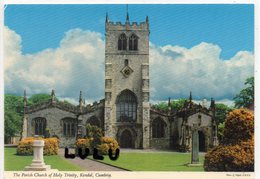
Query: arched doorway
x=201 y=142
x=126 y=140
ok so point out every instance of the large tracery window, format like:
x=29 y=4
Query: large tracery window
x=158 y=128
x=39 y=126
x=122 y=42
x=126 y=106
x=69 y=127
x=133 y=42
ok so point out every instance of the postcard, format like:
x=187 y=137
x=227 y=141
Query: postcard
x=128 y=90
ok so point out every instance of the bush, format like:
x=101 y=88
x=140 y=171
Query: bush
x=239 y=126
x=25 y=146
x=106 y=144
x=236 y=152
x=239 y=157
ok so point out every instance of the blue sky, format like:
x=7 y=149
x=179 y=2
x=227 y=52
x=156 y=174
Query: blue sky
x=206 y=49
x=229 y=26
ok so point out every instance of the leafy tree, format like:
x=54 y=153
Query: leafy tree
x=221 y=127
x=39 y=98
x=13 y=109
x=13 y=124
x=178 y=104
x=175 y=104
x=161 y=106
x=222 y=111
x=14 y=103
x=245 y=98
x=13 y=112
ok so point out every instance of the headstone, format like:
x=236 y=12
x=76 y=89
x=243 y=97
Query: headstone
x=38 y=161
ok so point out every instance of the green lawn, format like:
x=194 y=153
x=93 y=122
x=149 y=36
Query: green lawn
x=154 y=161
x=15 y=162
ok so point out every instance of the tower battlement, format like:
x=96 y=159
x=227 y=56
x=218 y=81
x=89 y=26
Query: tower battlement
x=119 y=26
x=144 y=26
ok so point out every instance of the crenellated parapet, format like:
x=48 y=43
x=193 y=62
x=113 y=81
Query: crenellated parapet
x=115 y=26
x=127 y=26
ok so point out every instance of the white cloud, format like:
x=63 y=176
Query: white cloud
x=198 y=69
x=78 y=64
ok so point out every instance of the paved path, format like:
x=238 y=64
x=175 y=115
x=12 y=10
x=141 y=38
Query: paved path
x=154 y=151
x=90 y=165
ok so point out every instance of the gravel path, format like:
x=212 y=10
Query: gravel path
x=90 y=165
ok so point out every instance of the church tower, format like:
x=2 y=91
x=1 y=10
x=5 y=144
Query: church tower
x=127 y=108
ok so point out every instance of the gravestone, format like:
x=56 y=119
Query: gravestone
x=38 y=161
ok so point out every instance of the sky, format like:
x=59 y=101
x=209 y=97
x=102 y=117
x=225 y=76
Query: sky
x=206 y=49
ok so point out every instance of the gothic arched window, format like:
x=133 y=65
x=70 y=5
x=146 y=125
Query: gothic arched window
x=122 y=42
x=133 y=42
x=39 y=126
x=69 y=127
x=126 y=106
x=158 y=128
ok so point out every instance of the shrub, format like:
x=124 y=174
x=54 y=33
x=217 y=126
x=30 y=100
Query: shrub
x=106 y=144
x=25 y=146
x=239 y=157
x=239 y=126
x=51 y=146
x=236 y=152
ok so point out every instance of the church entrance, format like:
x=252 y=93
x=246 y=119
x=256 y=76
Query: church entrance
x=126 y=140
x=201 y=142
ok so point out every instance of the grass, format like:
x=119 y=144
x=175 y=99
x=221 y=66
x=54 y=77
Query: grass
x=15 y=162
x=154 y=161
x=171 y=161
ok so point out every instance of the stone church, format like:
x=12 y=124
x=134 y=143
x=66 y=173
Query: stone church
x=125 y=114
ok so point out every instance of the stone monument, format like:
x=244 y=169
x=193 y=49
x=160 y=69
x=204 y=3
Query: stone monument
x=38 y=161
x=195 y=146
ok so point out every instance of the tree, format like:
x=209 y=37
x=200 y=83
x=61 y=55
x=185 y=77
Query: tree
x=13 y=112
x=14 y=109
x=39 y=98
x=13 y=123
x=245 y=98
x=178 y=104
x=221 y=112
x=175 y=104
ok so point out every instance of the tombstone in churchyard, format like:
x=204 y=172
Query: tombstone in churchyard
x=38 y=161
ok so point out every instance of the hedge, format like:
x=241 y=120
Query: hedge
x=25 y=146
